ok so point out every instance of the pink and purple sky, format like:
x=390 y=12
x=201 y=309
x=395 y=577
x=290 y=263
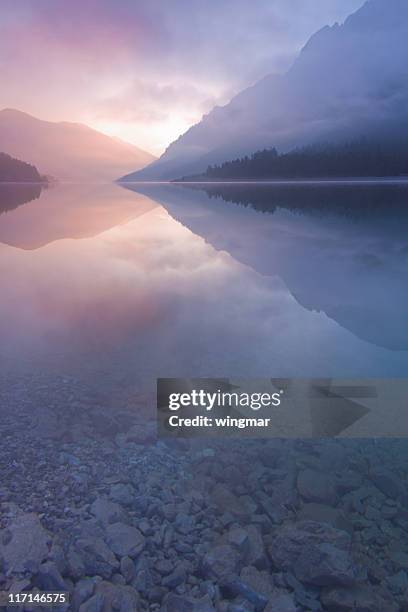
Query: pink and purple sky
x=145 y=70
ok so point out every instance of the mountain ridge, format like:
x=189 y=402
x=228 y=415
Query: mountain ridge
x=348 y=81
x=67 y=150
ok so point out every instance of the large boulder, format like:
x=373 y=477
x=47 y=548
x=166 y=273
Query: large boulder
x=321 y=513
x=125 y=540
x=91 y=556
x=23 y=544
x=316 y=553
x=49 y=578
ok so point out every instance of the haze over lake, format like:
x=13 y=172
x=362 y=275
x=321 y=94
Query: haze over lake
x=174 y=280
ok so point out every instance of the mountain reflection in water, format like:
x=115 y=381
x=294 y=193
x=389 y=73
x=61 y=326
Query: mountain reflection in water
x=13 y=195
x=340 y=248
x=118 y=288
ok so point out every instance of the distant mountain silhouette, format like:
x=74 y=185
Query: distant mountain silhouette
x=348 y=81
x=67 y=151
x=16 y=171
x=339 y=248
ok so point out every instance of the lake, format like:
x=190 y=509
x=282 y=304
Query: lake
x=104 y=288
x=181 y=281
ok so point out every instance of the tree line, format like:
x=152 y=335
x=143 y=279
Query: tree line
x=354 y=159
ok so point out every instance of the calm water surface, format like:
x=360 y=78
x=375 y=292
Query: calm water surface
x=170 y=280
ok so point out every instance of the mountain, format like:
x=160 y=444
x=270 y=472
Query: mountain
x=16 y=171
x=349 y=81
x=67 y=151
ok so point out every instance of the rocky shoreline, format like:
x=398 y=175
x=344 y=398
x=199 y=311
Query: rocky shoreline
x=93 y=504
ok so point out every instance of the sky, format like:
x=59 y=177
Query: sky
x=146 y=70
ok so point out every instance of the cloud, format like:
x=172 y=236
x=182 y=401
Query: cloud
x=151 y=62
x=150 y=101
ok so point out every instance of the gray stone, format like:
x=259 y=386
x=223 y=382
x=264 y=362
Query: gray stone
x=317 y=553
x=24 y=544
x=238 y=537
x=364 y=598
x=314 y=486
x=122 y=494
x=125 y=540
x=240 y=604
x=49 y=577
x=82 y=592
x=57 y=555
x=182 y=603
x=254 y=586
x=320 y=513
x=221 y=562
x=164 y=566
x=304 y=596
x=347 y=481
x=400 y=558
x=94 y=604
x=281 y=601
x=118 y=597
x=177 y=577
x=226 y=501
x=107 y=512
x=325 y=565
x=256 y=554
x=127 y=568
x=398 y=583
x=387 y=482
x=95 y=557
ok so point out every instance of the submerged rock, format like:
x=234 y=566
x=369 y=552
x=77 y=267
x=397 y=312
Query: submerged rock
x=118 y=597
x=125 y=540
x=182 y=603
x=106 y=511
x=281 y=601
x=388 y=483
x=314 y=486
x=316 y=552
x=122 y=494
x=254 y=586
x=24 y=544
x=221 y=562
x=363 y=598
x=91 y=556
x=49 y=577
x=321 y=513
